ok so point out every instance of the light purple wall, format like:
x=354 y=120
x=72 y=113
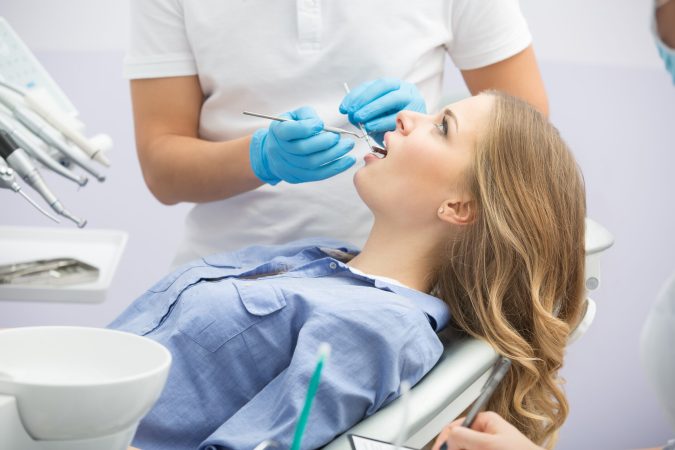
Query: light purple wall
x=620 y=123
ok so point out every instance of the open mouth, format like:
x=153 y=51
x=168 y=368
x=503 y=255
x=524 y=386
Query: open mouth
x=380 y=151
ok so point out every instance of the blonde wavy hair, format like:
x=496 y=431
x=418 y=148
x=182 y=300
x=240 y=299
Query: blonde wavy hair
x=515 y=276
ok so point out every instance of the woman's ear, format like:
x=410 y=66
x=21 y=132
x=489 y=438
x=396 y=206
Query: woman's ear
x=457 y=212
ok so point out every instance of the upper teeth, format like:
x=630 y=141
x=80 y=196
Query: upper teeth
x=381 y=150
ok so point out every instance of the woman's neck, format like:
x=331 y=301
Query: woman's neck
x=395 y=252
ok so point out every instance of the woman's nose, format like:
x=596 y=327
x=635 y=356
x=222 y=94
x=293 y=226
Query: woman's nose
x=405 y=122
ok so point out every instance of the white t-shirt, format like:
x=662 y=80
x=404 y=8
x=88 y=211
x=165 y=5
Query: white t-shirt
x=272 y=56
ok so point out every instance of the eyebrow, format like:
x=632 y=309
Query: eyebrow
x=448 y=112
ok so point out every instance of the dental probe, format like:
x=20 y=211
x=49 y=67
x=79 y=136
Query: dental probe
x=53 y=117
x=371 y=143
x=283 y=119
x=42 y=130
x=28 y=143
x=16 y=157
x=7 y=181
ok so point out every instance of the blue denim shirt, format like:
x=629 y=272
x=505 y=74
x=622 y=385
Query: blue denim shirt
x=244 y=329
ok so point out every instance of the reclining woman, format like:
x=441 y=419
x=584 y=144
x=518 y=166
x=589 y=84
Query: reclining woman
x=479 y=220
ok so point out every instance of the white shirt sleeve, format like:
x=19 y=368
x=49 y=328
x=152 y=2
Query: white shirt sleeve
x=159 y=46
x=486 y=31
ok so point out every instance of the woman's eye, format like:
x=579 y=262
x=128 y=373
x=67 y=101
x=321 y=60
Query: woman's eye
x=443 y=126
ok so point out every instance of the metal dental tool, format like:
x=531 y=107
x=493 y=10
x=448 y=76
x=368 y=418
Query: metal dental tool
x=27 y=142
x=57 y=271
x=45 y=132
x=17 y=158
x=54 y=118
x=374 y=146
x=500 y=370
x=283 y=119
x=8 y=181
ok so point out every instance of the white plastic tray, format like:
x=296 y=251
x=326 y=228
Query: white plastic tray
x=100 y=248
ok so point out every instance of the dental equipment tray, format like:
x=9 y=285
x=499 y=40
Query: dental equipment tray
x=101 y=249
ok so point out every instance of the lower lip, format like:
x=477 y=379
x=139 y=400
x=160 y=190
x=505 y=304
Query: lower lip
x=370 y=157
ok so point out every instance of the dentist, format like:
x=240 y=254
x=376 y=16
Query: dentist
x=195 y=65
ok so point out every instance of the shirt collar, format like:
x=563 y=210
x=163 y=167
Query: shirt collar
x=436 y=310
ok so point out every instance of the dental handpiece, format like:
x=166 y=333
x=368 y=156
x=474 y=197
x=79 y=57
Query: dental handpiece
x=28 y=143
x=68 y=131
x=53 y=117
x=16 y=157
x=7 y=181
x=371 y=143
x=44 y=132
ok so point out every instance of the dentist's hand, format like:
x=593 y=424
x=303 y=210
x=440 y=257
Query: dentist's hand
x=376 y=103
x=297 y=151
x=488 y=432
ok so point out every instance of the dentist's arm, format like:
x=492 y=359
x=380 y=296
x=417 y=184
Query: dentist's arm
x=518 y=75
x=177 y=165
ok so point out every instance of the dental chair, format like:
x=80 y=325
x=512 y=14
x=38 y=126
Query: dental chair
x=458 y=377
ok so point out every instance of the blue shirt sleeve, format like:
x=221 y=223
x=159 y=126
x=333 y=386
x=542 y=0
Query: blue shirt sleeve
x=363 y=374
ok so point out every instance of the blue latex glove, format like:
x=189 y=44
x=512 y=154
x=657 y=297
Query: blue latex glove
x=298 y=151
x=376 y=103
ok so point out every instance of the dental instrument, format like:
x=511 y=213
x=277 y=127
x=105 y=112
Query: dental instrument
x=42 y=130
x=501 y=368
x=371 y=143
x=53 y=117
x=499 y=372
x=7 y=181
x=28 y=143
x=42 y=122
x=17 y=158
x=323 y=353
x=283 y=119
x=49 y=272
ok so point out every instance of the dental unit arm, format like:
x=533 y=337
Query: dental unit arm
x=34 y=147
x=41 y=129
x=39 y=125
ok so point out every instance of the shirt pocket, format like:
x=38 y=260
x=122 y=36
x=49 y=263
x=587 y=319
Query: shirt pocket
x=212 y=314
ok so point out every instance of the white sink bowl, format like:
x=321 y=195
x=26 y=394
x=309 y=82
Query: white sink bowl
x=78 y=383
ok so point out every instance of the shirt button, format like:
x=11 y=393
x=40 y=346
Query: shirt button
x=332 y=265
